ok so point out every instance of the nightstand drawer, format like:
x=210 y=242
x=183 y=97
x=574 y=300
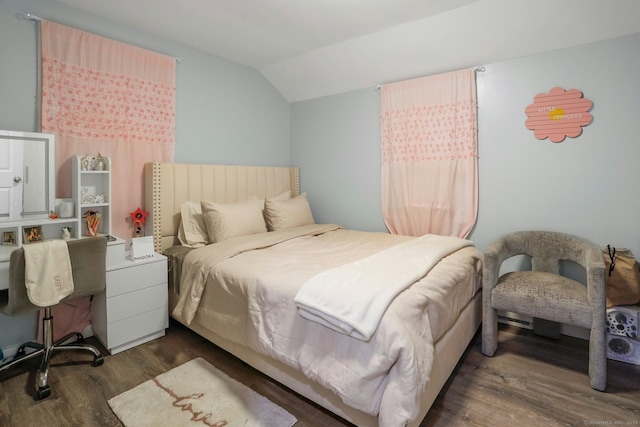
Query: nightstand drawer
x=133 y=328
x=133 y=303
x=135 y=277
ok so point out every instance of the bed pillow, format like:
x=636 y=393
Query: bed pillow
x=282 y=196
x=225 y=220
x=192 y=232
x=282 y=214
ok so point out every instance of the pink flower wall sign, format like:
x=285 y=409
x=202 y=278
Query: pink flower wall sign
x=558 y=114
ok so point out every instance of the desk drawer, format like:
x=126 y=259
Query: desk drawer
x=136 y=277
x=135 y=327
x=133 y=303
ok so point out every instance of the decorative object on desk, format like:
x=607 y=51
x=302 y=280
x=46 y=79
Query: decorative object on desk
x=65 y=210
x=86 y=197
x=92 y=218
x=32 y=234
x=142 y=248
x=100 y=163
x=9 y=238
x=66 y=233
x=137 y=218
x=197 y=393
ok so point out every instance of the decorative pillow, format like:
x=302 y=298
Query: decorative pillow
x=192 y=232
x=281 y=214
x=225 y=220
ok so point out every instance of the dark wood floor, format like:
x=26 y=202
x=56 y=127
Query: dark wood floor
x=531 y=381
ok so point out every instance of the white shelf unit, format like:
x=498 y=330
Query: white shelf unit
x=97 y=183
x=51 y=229
x=91 y=189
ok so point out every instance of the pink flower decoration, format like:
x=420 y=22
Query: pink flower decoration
x=558 y=114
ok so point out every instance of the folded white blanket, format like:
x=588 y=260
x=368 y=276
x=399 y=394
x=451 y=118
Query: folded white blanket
x=48 y=275
x=352 y=298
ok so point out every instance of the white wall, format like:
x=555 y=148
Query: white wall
x=585 y=185
x=336 y=144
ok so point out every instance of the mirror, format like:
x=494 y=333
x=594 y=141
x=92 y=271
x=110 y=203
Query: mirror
x=27 y=175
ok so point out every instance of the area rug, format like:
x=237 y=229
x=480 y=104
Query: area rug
x=197 y=394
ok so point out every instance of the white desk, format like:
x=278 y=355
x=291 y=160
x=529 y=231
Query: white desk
x=115 y=255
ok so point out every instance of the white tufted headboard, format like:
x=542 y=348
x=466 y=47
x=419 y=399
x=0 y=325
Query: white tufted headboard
x=168 y=185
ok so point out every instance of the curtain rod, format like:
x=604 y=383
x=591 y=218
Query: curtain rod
x=26 y=16
x=478 y=69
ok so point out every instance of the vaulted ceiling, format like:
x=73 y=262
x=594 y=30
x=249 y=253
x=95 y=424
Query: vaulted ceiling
x=313 y=48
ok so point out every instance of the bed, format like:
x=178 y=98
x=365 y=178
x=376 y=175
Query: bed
x=247 y=296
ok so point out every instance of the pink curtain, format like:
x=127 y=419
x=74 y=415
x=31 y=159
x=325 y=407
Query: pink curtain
x=429 y=155
x=102 y=96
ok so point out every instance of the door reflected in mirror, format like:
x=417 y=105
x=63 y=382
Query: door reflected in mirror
x=27 y=175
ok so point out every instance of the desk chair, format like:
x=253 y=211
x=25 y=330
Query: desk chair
x=546 y=295
x=88 y=266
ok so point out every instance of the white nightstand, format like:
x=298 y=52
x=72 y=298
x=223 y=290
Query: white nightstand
x=134 y=307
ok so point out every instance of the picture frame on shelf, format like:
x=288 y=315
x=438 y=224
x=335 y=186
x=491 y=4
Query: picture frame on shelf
x=9 y=238
x=32 y=234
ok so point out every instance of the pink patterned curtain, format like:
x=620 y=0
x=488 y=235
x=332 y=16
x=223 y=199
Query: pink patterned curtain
x=429 y=155
x=102 y=96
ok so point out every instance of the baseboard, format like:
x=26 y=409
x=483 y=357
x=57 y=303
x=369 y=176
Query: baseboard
x=526 y=322
x=87 y=331
x=515 y=319
x=8 y=352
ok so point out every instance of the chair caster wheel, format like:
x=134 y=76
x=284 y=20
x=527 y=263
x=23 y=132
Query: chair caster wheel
x=44 y=392
x=98 y=360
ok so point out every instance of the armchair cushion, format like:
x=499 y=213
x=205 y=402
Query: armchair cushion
x=544 y=295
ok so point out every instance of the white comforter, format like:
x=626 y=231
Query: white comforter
x=249 y=299
x=352 y=298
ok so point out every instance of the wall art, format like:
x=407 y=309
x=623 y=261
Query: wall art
x=558 y=114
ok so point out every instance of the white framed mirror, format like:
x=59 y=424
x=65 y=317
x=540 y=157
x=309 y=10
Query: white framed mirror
x=27 y=175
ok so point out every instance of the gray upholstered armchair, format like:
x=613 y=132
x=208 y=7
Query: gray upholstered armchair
x=543 y=293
